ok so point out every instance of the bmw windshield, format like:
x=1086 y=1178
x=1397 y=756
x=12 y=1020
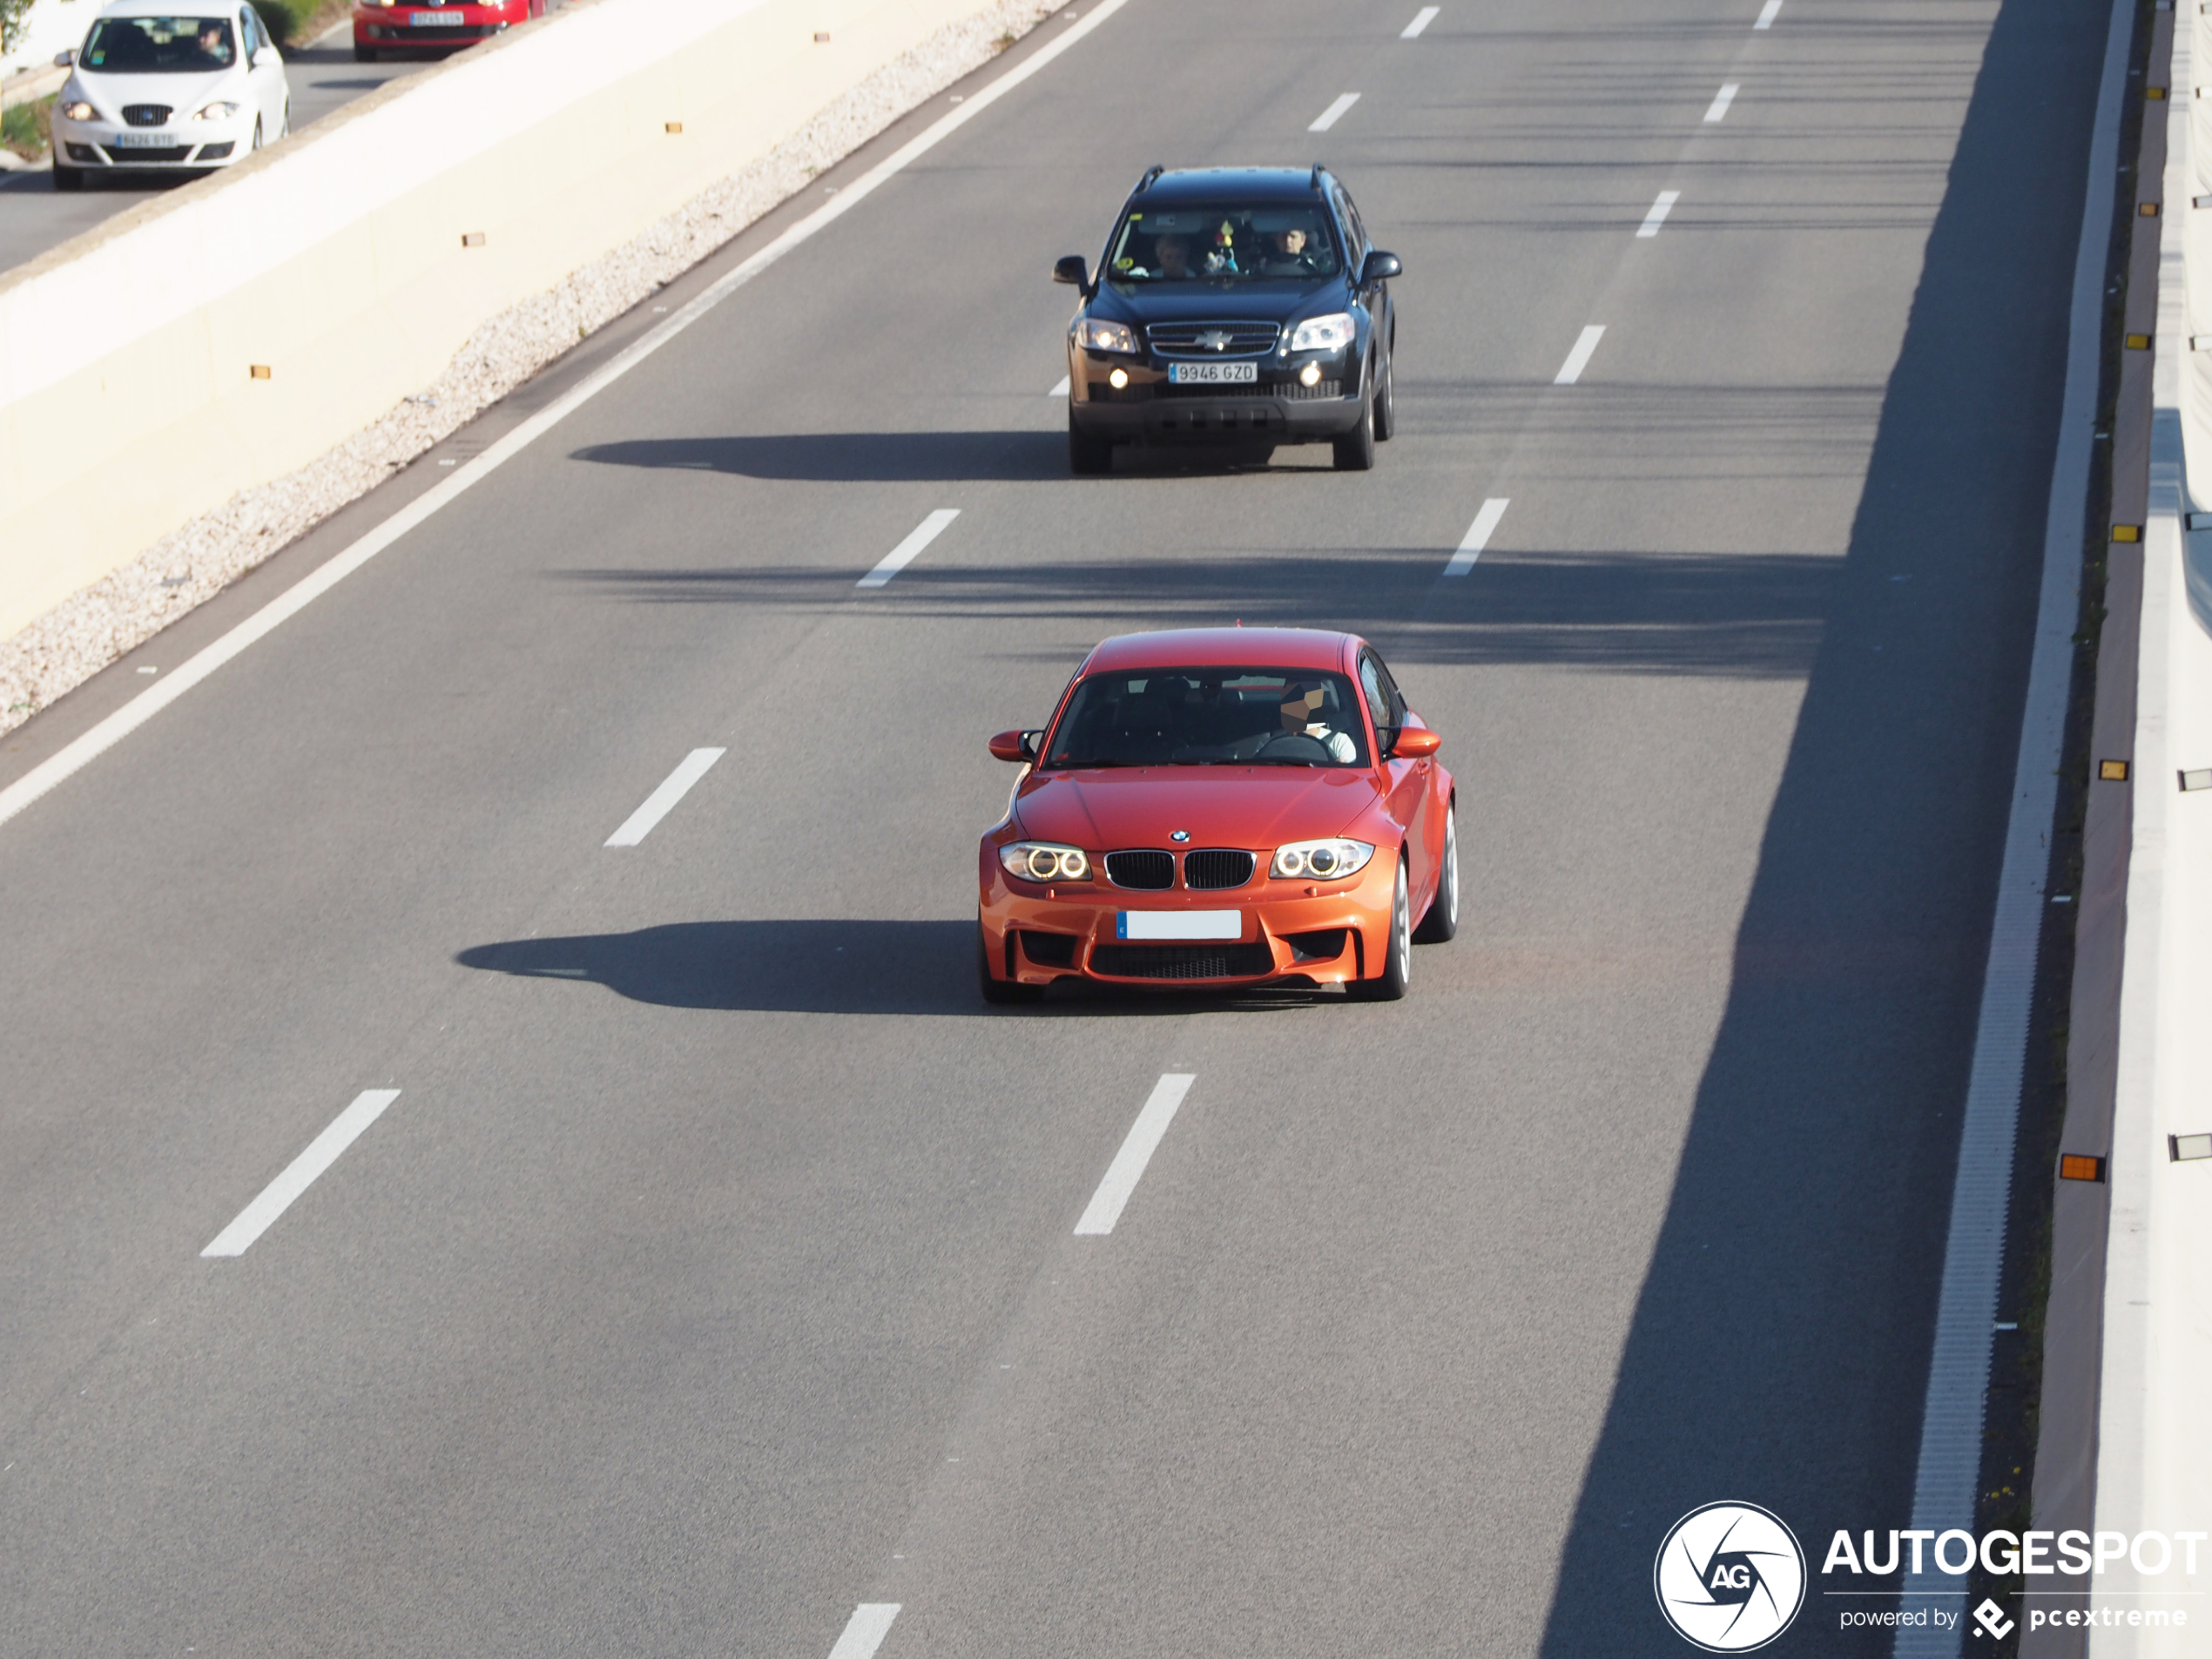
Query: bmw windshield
x=1196 y=716
x=1292 y=240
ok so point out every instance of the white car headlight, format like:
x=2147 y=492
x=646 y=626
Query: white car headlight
x=1331 y=333
x=1321 y=860
x=218 y=110
x=79 y=111
x=1044 y=861
x=1093 y=335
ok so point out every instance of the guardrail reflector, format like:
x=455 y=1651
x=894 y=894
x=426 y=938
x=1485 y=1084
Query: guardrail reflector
x=2112 y=772
x=2076 y=1166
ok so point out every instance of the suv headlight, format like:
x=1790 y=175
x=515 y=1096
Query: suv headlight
x=1321 y=860
x=218 y=110
x=1093 y=335
x=79 y=111
x=1331 y=333
x=1044 y=861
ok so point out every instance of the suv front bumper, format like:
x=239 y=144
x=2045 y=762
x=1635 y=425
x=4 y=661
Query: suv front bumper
x=1276 y=407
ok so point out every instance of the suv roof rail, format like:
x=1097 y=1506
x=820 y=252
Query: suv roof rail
x=1145 y=183
x=1317 y=171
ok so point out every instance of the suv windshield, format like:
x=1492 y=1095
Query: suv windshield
x=159 y=45
x=1293 y=240
x=1196 y=717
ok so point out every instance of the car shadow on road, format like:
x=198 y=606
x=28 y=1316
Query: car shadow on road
x=851 y=457
x=816 y=966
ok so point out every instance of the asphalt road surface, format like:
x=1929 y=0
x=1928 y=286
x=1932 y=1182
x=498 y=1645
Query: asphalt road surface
x=34 y=217
x=713 y=1273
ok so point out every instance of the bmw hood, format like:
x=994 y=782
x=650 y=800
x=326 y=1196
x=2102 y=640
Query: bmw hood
x=1256 y=807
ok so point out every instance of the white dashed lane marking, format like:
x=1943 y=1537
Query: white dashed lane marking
x=1426 y=16
x=1060 y=388
x=1657 y=216
x=1128 y=1167
x=1767 y=13
x=1722 y=100
x=1579 y=359
x=1334 y=113
x=277 y=1197
x=1478 y=536
x=673 y=788
x=905 y=554
x=865 y=1630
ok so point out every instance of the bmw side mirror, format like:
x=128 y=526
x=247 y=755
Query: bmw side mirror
x=1073 y=269
x=1413 y=743
x=64 y=59
x=1015 y=746
x=1380 y=266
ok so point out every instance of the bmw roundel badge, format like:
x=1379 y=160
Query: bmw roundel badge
x=1180 y=835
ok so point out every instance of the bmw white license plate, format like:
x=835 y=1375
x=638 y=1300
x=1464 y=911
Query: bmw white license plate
x=1179 y=924
x=143 y=141
x=1212 y=373
x=435 y=19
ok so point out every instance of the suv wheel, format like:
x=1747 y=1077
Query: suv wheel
x=1387 y=402
x=1087 y=456
x=1356 y=450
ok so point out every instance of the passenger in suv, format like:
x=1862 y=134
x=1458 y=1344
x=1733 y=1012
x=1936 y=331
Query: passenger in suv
x=1234 y=305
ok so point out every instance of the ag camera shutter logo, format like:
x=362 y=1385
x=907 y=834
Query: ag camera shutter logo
x=1729 y=1577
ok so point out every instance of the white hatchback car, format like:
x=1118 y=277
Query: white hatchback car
x=162 y=93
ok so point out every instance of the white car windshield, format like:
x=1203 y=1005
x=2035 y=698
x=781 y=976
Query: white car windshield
x=160 y=45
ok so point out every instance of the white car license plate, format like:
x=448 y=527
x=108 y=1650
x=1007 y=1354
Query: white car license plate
x=1212 y=373
x=143 y=141
x=434 y=19
x=1179 y=924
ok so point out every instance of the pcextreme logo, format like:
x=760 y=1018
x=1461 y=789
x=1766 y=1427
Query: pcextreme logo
x=1729 y=1577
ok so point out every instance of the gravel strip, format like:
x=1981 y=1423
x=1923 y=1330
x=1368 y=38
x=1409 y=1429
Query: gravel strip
x=92 y=628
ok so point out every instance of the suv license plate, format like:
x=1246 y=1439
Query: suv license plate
x=1211 y=373
x=434 y=19
x=1179 y=924
x=143 y=141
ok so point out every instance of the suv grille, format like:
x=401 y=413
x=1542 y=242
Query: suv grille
x=1183 y=961
x=145 y=115
x=1141 y=869
x=1196 y=339
x=1216 y=867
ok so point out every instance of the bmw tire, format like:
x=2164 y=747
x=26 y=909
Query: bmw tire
x=995 y=989
x=1443 y=918
x=1397 y=956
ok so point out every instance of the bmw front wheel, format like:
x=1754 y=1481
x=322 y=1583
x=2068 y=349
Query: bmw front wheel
x=1398 y=956
x=1443 y=918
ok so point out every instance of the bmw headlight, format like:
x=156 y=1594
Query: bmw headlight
x=1093 y=335
x=1331 y=333
x=1043 y=861
x=79 y=111
x=218 y=110
x=1321 y=860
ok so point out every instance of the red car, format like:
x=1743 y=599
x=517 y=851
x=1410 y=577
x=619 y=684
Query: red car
x=392 y=27
x=1221 y=807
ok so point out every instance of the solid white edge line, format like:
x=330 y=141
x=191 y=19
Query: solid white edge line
x=1951 y=1421
x=1128 y=1167
x=1767 y=13
x=1334 y=113
x=865 y=1630
x=905 y=554
x=90 y=745
x=1060 y=388
x=1426 y=16
x=1579 y=359
x=1726 y=97
x=299 y=1175
x=635 y=827
x=1657 y=216
x=1478 y=536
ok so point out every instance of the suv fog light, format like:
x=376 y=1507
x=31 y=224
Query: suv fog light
x=1310 y=375
x=1118 y=379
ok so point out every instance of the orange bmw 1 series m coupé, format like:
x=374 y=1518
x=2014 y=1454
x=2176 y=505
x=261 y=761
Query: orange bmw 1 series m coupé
x=1221 y=807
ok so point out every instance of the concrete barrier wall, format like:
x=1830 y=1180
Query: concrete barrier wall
x=128 y=404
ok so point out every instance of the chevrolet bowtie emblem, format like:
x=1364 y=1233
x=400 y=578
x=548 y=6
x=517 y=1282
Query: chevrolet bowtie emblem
x=1214 y=340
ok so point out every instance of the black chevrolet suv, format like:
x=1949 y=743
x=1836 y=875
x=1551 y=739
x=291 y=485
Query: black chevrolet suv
x=1235 y=305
